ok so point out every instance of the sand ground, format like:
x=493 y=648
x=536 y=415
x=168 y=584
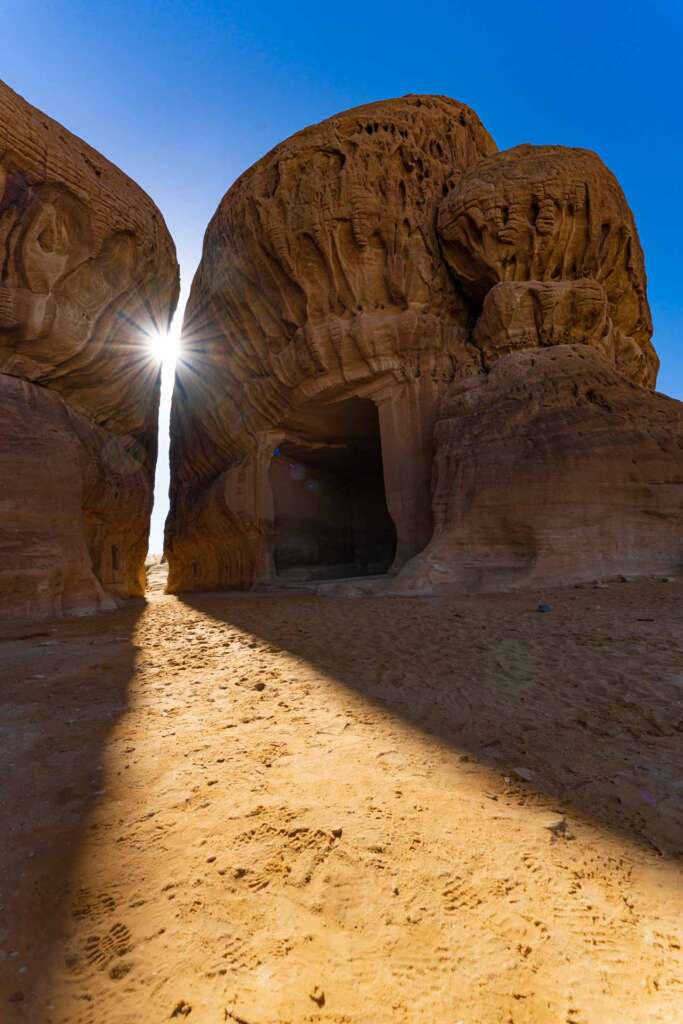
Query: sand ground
x=261 y=809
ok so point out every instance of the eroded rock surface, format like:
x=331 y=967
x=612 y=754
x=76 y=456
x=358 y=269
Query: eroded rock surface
x=75 y=504
x=88 y=270
x=321 y=282
x=534 y=314
x=386 y=271
x=552 y=214
x=553 y=467
x=555 y=463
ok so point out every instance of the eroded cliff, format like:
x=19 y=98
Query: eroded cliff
x=321 y=282
x=88 y=271
x=553 y=467
x=406 y=353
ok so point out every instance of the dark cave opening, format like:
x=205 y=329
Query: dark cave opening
x=331 y=516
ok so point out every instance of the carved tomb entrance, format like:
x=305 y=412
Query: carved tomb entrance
x=330 y=508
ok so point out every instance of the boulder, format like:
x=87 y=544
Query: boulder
x=408 y=354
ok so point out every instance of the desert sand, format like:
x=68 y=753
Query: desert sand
x=279 y=808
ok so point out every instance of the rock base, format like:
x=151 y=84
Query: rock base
x=75 y=507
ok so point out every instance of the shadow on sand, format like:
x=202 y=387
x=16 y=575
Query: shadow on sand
x=64 y=688
x=584 y=704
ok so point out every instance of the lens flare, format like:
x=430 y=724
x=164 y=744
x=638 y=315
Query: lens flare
x=164 y=345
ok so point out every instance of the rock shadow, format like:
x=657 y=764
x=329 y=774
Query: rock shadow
x=64 y=688
x=583 y=704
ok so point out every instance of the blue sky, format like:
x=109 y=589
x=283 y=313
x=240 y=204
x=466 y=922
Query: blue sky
x=184 y=96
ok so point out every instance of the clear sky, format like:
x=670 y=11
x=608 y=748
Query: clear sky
x=184 y=95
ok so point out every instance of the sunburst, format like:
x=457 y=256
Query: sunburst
x=164 y=345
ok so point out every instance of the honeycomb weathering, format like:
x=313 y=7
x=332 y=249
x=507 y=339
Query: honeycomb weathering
x=354 y=282
x=322 y=261
x=399 y=344
x=88 y=269
x=551 y=214
x=321 y=279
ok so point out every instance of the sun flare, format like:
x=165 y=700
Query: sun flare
x=164 y=345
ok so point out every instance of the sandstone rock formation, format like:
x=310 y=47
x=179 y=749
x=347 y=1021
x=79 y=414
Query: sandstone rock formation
x=321 y=284
x=386 y=271
x=552 y=214
x=553 y=467
x=532 y=314
x=88 y=270
x=555 y=464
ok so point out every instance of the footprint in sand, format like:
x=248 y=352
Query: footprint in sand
x=100 y=949
x=458 y=895
x=412 y=967
x=86 y=903
x=237 y=956
x=284 y=852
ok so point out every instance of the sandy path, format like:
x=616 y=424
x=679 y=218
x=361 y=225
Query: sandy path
x=269 y=809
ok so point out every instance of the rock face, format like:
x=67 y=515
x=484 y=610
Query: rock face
x=532 y=314
x=552 y=214
x=407 y=353
x=553 y=467
x=321 y=328
x=76 y=507
x=554 y=463
x=88 y=271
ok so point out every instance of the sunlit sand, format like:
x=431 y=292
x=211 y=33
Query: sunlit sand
x=265 y=809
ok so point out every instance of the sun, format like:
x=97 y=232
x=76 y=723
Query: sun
x=164 y=345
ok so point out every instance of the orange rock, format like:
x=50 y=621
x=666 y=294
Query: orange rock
x=552 y=468
x=552 y=214
x=76 y=504
x=321 y=283
x=324 y=334
x=88 y=270
x=531 y=314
